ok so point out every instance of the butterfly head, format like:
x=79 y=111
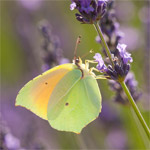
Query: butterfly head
x=77 y=61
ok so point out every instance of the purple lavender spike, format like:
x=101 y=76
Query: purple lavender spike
x=90 y=10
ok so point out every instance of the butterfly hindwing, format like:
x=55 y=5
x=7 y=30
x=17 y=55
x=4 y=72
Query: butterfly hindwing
x=77 y=108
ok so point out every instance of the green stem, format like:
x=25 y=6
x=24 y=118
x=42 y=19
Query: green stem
x=135 y=108
x=104 y=44
x=140 y=128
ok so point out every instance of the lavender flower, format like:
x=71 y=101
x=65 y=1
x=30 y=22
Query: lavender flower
x=90 y=10
x=124 y=54
x=7 y=140
x=121 y=65
x=101 y=66
x=73 y=6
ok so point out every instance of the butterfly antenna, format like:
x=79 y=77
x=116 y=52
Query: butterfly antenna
x=77 y=43
x=86 y=54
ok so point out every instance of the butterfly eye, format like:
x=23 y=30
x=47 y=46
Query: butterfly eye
x=77 y=60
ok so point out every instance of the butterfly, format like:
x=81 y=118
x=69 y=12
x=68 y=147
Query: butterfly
x=67 y=96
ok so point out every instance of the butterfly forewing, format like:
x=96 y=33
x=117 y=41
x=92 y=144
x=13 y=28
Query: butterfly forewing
x=35 y=95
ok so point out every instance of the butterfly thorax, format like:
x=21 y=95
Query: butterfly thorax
x=84 y=69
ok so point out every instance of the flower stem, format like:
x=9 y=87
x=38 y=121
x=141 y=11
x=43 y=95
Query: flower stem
x=135 y=108
x=104 y=44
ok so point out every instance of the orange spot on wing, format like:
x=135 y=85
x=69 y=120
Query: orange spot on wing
x=42 y=92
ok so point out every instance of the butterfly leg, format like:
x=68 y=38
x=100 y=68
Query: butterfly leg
x=87 y=62
x=99 y=76
x=93 y=69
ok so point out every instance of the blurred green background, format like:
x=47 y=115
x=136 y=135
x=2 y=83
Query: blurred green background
x=21 y=61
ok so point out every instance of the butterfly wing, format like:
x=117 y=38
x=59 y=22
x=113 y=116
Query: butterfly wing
x=36 y=93
x=77 y=108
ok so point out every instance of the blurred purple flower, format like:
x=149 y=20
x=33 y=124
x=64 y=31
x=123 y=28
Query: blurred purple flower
x=131 y=83
x=116 y=139
x=52 y=53
x=64 y=61
x=109 y=115
x=125 y=10
x=101 y=66
x=11 y=141
x=112 y=40
x=134 y=40
x=144 y=13
x=124 y=54
x=130 y=80
x=90 y=10
x=110 y=28
x=31 y=4
x=113 y=35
